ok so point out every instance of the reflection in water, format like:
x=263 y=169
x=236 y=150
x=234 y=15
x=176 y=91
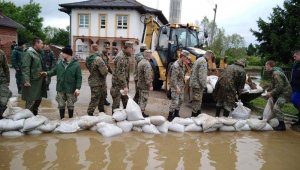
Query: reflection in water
x=89 y=150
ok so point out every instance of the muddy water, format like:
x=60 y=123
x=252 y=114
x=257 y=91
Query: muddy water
x=89 y=150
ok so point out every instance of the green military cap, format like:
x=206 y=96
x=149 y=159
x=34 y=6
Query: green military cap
x=242 y=62
x=143 y=47
x=129 y=44
x=185 y=53
x=106 y=45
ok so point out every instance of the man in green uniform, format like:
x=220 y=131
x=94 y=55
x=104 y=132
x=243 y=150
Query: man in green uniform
x=105 y=56
x=138 y=57
x=48 y=61
x=97 y=80
x=17 y=55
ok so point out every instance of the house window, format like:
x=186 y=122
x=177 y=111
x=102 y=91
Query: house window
x=83 y=20
x=122 y=21
x=102 y=21
x=82 y=48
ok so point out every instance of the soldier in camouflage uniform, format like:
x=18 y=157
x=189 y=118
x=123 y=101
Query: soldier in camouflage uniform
x=229 y=86
x=138 y=57
x=48 y=61
x=177 y=84
x=105 y=56
x=144 y=81
x=4 y=82
x=16 y=59
x=97 y=80
x=120 y=77
x=280 y=92
x=198 y=82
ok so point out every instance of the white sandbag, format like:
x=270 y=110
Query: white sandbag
x=150 y=129
x=12 y=134
x=227 y=129
x=104 y=117
x=274 y=122
x=247 y=88
x=93 y=128
x=48 y=126
x=199 y=119
x=34 y=132
x=268 y=110
x=213 y=80
x=133 y=110
x=241 y=112
x=108 y=130
x=11 y=111
x=141 y=123
x=210 y=122
x=137 y=129
x=239 y=124
x=193 y=128
x=176 y=127
x=33 y=122
x=268 y=127
x=256 y=124
x=86 y=122
x=119 y=115
x=67 y=126
x=11 y=125
x=157 y=120
x=183 y=121
x=164 y=127
x=125 y=125
x=212 y=129
x=258 y=89
x=227 y=121
x=22 y=114
x=246 y=127
x=209 y=88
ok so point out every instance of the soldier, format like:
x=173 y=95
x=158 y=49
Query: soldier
x=198 y=81
x=17 y=55
x=138 y=57
x=69 y=79
x=228 y=87
x=97 y=80
x=105 y=56
x=295 y=83
x=4 y=82
x=114 y=52
x=34 y=87
x=280 y=92
x=177 y=84
x=144 y=80
x=48 y=61
x=120 y=77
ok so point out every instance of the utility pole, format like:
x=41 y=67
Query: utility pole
x=213 y=26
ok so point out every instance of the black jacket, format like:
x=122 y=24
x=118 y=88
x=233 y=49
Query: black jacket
x=295 y=82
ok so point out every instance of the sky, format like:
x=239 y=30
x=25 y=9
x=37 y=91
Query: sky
x=235 y=16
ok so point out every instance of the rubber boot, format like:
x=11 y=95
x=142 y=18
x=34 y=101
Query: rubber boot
x=62 y=113
x=1 y=112
x=199 y=112
x=35 y=112
x=280 y=127
x=106 y=103
x=226 y=113
x=144 y=115
x=194 y=114
x=218 y=111
x=176 y=113
x=70 y=111
x=171 y=116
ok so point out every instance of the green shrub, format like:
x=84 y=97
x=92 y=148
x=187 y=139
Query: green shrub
x=289 y=109
x=254 y=61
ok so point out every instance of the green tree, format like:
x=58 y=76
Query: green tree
x=251 y=50
x=280 y=36
x=61 y=37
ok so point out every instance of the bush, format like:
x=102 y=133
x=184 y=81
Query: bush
x=254 y=61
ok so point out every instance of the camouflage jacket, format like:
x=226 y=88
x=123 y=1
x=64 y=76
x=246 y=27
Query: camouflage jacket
x=16 y=58
x=280 y=86
x=4 y=70
x=120 y=76
x=106 y=60
x=144 y=74
x=199 y=74
x=138 y=58
x=177 y=75
x=48 y=60
x=98 y=70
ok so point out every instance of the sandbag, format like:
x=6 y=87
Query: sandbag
x=213 y=80
x=268 y=110
x=49 y=126
x=227 y=129
x=141 y=123
x=256 y=124
x=239 y=124
x=157 y=120
x=67 y=126
x=133 y=110
x=183 y=121
x=108 y=130
x=11 y=125
x=227 y=121
x=86 y=122
x=210 y=122
x=193 y=128
x=104 y=117
x=163 y=128
x=150 y=129
x=22 y=114
x=93 y=128
x=119 y=115
x=34 y=132
x=12 y=134
x=137 y=129
x=11 y=111
x=199 y=119
x=176 y=127
x=268 y=127
x=125 y=125
x=212 y=129
x=274 y=122
x=33 y=122
x=241 y=112
x=209 y=88
x=246 y=127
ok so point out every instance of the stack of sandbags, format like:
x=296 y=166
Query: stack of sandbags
x=211 y=83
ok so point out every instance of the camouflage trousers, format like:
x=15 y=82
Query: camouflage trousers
x=116 y=96
x=225 y=105
x=97 y=99
x=62 y=98
x=277 y=108
x=197 y=99
x=5 y=94
x=33 y=105
x=143 y=98
x=136 y=95
x=176 y=101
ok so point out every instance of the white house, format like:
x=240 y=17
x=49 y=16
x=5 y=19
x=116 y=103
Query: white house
x=107 y=21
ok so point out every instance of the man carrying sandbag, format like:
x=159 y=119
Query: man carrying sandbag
x=280 y=92
x=295 y=83
x=229 y=85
